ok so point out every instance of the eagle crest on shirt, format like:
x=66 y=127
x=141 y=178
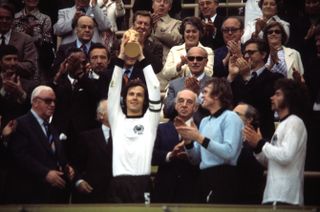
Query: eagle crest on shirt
x=138 y=129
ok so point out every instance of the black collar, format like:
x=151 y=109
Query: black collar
x=218 y=113
x=134 y=117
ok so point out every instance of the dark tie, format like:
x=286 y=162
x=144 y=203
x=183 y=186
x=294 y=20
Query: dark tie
x=48 y=132
x=49 y=135
x=3 y=40
x=254 y=75
x=74 y=84
x=84 y=48
x=126 y=76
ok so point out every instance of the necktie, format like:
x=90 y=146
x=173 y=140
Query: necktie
x=3 y=40
x=74 y=84
x=254 y=75
x=48 y=133
x=84 y=48
x=126 y=76
x=49 y=136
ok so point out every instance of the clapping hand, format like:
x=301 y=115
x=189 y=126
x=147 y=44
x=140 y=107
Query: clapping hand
x=209 y=28
x=193 y=84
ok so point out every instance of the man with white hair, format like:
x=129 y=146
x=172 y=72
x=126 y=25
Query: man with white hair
x=94 y=161
x=39 y=172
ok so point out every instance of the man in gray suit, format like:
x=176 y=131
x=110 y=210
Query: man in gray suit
x=67 y=18
x=197 y=59
x=27 y=52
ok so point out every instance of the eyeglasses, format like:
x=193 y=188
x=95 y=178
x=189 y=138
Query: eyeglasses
x=250 y=52
x=47 y=101
x=188 y=102
x=277 y=31
x=229 y=30
x=198 y=58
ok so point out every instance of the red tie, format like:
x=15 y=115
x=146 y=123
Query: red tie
x=126 y=76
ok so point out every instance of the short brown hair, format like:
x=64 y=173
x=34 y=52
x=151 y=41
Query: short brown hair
x=221 y=88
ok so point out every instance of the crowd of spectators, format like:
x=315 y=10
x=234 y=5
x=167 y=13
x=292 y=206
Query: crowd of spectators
x=81 y=118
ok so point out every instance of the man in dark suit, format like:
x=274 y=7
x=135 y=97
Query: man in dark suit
x=175 y=179
x=84 y=33
x=253 y=83
x=232 y=30
x=99 y=71
x=211 y=23
x=77 y=99
x=94 y=161
x=250 y=171
x=39 y=172
x=27 y=52
x=197 y=60
x=15 y=91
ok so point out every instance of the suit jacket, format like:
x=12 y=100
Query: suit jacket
x=32 y=158
x=64 y=28
x=94 y=165
x=10 y=107
x=293 y=60
x=257 y=93
x=174 y=180
x=169 y=103
x=153 y=51
x=217 y=41
x=174 y=57
x=62 y=54
x=167 y=32
x=75 y=109
x=219 y=70
x=27 y=54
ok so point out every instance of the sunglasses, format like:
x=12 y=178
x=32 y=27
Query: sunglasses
x=276 y=31
x=198 y=58
x=229 y=29
x=47 y=101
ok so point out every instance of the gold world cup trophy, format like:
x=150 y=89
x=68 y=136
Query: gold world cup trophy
x=132 y=47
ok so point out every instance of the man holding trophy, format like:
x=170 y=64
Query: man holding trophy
x=134 y=127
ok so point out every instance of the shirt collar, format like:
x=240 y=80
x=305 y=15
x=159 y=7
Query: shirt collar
x=34 y=12
x=79 y=44
x=71 y=79
x=259 y=71
x=213 y=17
x=218 y=113
x=7 y=36
x=38 y=118
x=166 y=18
x=130 y=69
x=106 y=132
x=94 y=75
x=200 y=77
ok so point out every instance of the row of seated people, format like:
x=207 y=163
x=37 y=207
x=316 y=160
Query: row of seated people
x=236 y=64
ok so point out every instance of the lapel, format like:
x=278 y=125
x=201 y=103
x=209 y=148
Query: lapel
x=173 y=134
x=13 y=38
x=101 y=142
x=204 y=80
x=288 y=57
x=42 y=138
